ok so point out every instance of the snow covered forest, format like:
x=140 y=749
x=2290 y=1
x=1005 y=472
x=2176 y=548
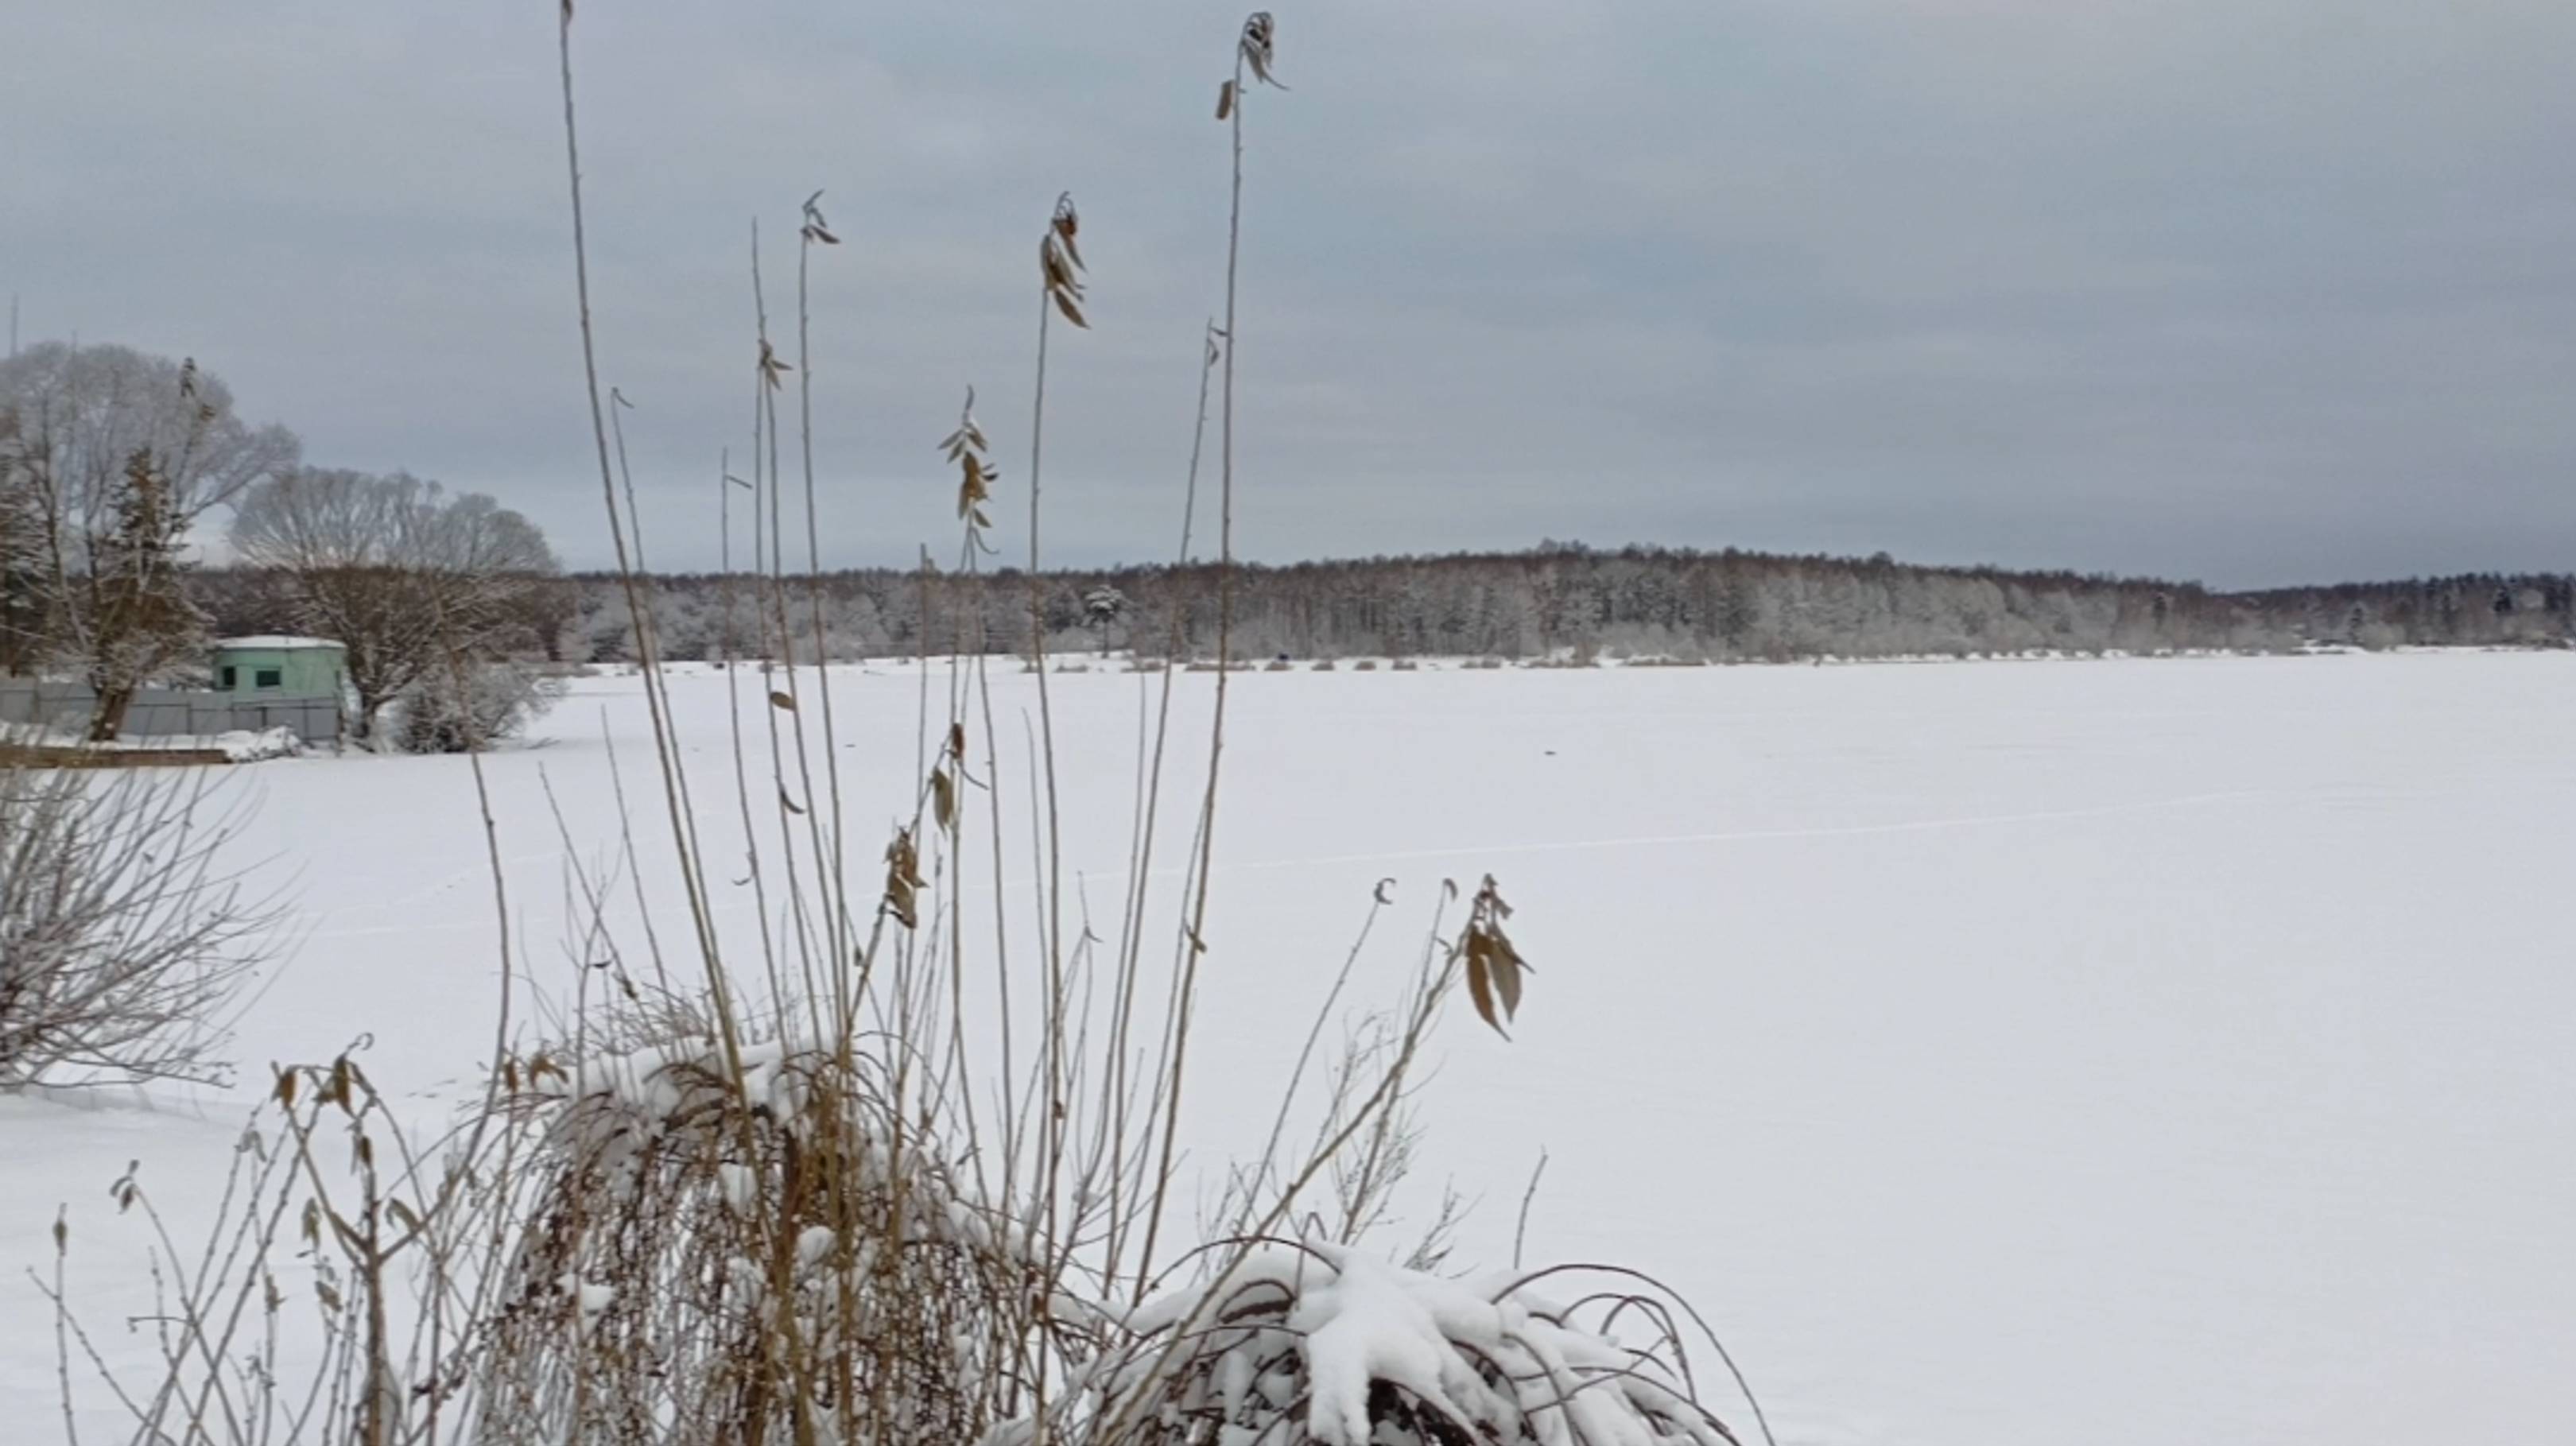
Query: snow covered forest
x=1559 y=599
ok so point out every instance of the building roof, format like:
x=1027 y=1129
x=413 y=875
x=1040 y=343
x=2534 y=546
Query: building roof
x=276 y=643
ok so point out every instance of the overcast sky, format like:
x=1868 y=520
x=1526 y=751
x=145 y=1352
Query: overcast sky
x=2249 y=290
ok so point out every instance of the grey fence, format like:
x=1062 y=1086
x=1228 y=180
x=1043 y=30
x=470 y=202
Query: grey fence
x=168 y=712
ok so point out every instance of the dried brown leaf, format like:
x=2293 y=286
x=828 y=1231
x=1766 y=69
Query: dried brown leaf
x=1480 y=991
x=1053 y=265
x=1507 y=980
x=1072 y=313
x=1260 y=46
x=1225 y=100
x=816 y=229
x=1064 y=225
x=782 y=702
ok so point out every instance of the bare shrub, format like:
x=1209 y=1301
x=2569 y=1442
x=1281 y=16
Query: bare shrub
x=463 y=710
x=121 y=935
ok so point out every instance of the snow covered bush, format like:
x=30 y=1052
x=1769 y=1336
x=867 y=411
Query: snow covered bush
x=497 y=701
x=120 y=936
x=1310 y=1342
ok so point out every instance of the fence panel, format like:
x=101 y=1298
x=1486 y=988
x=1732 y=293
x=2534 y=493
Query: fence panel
x=168 y=712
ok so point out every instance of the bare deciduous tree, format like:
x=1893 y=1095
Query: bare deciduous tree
x=121 y=937
x=396 y=570
x=114 y=455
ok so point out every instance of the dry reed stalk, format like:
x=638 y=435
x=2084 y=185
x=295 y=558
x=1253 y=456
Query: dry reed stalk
x=1254 y=51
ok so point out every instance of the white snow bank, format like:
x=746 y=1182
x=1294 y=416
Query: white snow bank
x=239 y=745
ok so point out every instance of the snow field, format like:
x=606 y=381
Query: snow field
x=2110 y=1052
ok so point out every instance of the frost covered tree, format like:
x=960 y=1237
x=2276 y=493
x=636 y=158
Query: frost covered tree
x=468 y=709
x=1102 y=607
x=130 y=605
x=22 y=561
x=113 y=456
x=398 y=571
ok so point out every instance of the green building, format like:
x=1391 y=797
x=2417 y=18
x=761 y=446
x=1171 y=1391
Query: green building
x=253 y=669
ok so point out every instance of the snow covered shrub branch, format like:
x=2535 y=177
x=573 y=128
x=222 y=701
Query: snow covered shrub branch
x=122 y=935
x=1314 y=1342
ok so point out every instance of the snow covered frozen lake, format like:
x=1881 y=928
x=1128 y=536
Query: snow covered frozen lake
x=1999 y=1054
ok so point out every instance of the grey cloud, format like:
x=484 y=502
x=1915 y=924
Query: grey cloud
x=2247 y=289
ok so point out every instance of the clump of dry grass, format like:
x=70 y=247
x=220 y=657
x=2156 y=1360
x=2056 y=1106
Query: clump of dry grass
x=779 y=1253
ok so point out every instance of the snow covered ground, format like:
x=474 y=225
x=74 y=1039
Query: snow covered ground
x=2141 y=1051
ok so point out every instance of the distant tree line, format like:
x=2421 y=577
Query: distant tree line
x=1556 y=601
x=113 y=465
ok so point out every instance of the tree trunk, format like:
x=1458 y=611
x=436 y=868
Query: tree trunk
x=109 y=720
x=368 y=708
